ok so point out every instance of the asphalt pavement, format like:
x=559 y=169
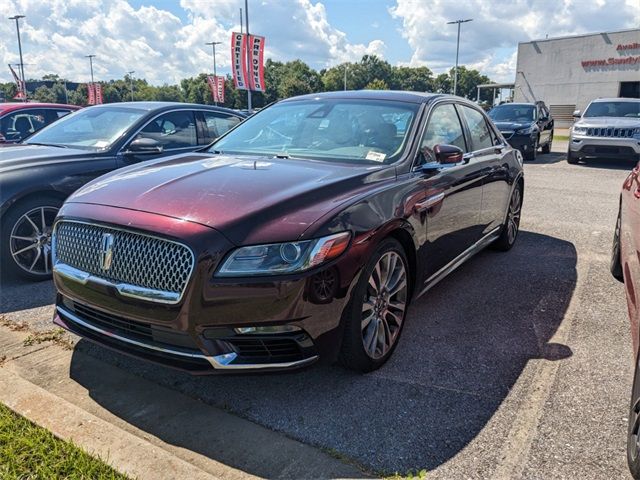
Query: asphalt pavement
x=518 y=365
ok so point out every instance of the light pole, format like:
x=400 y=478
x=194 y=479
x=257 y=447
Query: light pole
x=90 y=57
x=455 y=77
x=213 y=46
x=23 y=87
x=246 y=24
x=346 y=66
x=131 y=82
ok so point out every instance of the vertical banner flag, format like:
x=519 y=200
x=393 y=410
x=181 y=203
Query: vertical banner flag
x=21 y=86
x=216 y=85
x=239 y=59
x=98 y=93
x=256 y=70
x=91 y=94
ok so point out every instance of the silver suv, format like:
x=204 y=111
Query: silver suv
x=609 y=128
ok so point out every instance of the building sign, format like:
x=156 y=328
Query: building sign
x=629 y=46
x=239 y=60
x=611 y=61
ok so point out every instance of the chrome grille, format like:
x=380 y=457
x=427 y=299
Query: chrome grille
x=610 y=132
x=137 y=259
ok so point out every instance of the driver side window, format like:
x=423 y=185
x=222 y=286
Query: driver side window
x=444 y=128
x=172 y=130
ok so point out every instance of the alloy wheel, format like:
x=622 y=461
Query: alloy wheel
x=513 y=221
x=384 y=305
x=30 y=240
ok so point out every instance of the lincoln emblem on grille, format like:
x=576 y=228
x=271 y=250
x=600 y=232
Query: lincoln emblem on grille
x=106 y=253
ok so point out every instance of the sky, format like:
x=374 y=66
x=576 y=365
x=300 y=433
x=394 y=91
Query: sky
x=164 y=40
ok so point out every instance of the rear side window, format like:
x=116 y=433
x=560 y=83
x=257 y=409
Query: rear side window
x=218 y=124
x=17 y=125
x=444 y=128
x=481 y=136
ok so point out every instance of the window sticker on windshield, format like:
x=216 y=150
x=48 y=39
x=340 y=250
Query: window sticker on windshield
x=101 y=144
x=375 y=156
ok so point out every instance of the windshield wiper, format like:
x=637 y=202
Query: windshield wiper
x=46 y=144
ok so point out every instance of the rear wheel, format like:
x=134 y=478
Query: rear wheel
x=510 y=230
x=616 y=264
x=25 y=247
x=375 y=314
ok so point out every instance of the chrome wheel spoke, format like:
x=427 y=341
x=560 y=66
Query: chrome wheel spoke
x=42 y=221
x=35 y=260
x=26 y=239
x=36 y=230
x=25 y=249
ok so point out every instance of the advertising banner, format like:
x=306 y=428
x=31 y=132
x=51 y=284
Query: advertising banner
x=98 y=91
x=91 y=94
x=22 y=91
x=216 y=85
x=239 y=60
x=256 y=71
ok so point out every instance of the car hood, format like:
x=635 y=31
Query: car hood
x=512 y=125
x=24 y=156
x=248 y=199
x=608 y=122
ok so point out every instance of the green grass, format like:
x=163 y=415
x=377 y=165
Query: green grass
x=561 y=137
x=29 y=452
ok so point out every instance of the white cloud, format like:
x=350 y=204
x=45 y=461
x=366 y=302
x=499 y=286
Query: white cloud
x=490 y=41
x=160 y=46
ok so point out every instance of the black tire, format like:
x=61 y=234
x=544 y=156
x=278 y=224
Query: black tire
x=616 y=264
x=509 y=234
x=571 y=158
x=546 y=148
x=633 y=441
x=532 y=153
x=353 y=353
x=11 y=223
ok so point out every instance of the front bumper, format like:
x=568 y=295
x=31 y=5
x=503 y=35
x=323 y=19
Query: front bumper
x=199 y=334
x=623 y=148
x=524 y=143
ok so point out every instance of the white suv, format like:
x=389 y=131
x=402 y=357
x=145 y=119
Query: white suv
x=609 y=128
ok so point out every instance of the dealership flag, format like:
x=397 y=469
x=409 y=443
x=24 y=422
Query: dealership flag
x=239 y=59
x=21 y=86
x=216 y=84
x=91 y=94
x=98 y=90
x=256 y=72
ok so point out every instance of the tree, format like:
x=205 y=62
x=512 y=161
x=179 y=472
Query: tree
x=416 y=79
x=377 y=84
x=45 y=95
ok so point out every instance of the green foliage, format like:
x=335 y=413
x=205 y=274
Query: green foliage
x=282 y=79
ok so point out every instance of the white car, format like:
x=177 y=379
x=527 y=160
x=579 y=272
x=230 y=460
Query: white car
x=608 y=128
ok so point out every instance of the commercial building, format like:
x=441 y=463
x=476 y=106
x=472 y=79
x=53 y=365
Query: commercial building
x=568 y=72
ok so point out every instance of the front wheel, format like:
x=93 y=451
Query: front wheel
x=532 y=152
x=633 y=432
x=25 y=242
x=616 y=264
x=375 y=315
x=547 y=147
x=510 y=230
x=571 y=158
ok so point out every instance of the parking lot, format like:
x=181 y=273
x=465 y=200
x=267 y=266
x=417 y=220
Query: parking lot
x=518 y=365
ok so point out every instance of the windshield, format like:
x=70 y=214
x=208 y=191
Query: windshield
x=359 y=131
x=513 y=113
x=613 y=109
x=93 y=128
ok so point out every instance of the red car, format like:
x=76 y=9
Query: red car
x=625 y=266
x=19 y=120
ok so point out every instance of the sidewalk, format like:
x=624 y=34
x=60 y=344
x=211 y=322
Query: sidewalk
x=151 y=431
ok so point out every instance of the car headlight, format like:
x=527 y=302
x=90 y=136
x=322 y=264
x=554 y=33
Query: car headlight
x=580 y=130
x=525 y=131
x=283 y=258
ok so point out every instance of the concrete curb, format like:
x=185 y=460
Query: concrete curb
x=143 y=429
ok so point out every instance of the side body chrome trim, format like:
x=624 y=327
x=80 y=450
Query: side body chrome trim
x=460 y=259
x=218 y=362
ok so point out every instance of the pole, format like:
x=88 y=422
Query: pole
x=241 y=22
x=131 y=82
x=66 y=93
x=455 y=75
x=90 y=57
x=345 y=76
x=246 y=13
x=24 y=80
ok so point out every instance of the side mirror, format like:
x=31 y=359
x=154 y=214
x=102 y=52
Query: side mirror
x=577 y=114
x=144 y=145
x=448 y=154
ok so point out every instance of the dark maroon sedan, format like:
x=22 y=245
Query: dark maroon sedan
x=301 y=234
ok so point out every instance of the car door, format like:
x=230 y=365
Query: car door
x=216 y=124
x=454 y=192
x=544 y=124
x=490 y=157
x=172 y=132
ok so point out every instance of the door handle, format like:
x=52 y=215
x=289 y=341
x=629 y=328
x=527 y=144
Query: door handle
x=429 y=202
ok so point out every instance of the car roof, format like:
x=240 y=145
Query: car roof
x=159 y=106
x=10 y=106
x=522 y=104
x=615 y=99
x=397 y=95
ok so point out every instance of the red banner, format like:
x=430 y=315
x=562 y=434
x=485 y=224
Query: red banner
x=239 y=60
x=216 y=85
x=256 y=72
x=91 y=94
x=22 y=91
x=98 y=89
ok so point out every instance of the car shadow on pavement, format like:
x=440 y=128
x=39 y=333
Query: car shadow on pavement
x=465 y=344
x=608 y=164
x=17 y=294
x=547 y=158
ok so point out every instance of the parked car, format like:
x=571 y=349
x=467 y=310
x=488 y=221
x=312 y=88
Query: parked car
x=526 y=126
x=277 y=246
x=37 y=175
x=625 y=266
x=608 y=128
x=19 y=120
